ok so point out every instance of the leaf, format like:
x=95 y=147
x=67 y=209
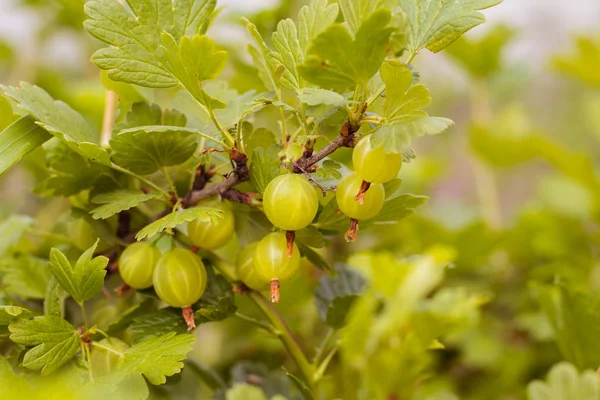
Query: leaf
x=403 y=117
x=396 y=209
x=127 y=317
x=261 y=57
x=584 y=63
x=119 y=200
x=144 y=150
x=255 y=138
x=244 y=391
x=11 y=314
x=334 y=295
x=391 y=187
x=158 y=357
x=11 y=232
x=25 y=276
x=134 y=55
x=313 y=19
x=157 y=323
x=338 y=61
x=217 y=302
x=208 y=375
x=20 y=138
x=58 y=119
x=55 y=341
x=264 y=167
x=310 y=236
x=177 y=218
x=329 y=169
x=85 y=279
x=435 y=24
x=192 y=61
x=331 y=219
x=316 y=96
x=564 y=382
x=315 y=258
x=144 y=114
x=356 y=11
x=288 y=54
x=302 y=387
x=575 y=319
x=54 y=299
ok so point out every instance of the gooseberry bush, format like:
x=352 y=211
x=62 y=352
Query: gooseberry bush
x=197 y=204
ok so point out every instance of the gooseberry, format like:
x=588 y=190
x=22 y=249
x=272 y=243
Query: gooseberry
x=246 y=271
x=272 y=262
x=180 y=280
x=290 y=202
x=373 y=198
x=136 y=264
x=374 y=165
x=213 y=233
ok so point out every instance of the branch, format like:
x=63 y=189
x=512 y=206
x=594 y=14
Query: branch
x=215 y=190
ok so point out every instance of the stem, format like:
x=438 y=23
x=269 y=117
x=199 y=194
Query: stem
x=323 y=347
x=110 y=107
x=169 y=180
x=258 y=323
x=286 y=337
x=85 y=320
x=219 y=127
x=100 y=346
x=212 y=139
x=88 y=356
x=282 y=116
x=323 y=366
x=141 y=178
x=214 y=190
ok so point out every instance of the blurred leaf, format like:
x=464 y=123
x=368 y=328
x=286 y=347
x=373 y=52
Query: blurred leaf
x=158 y=357
x=403 y=117
x=564 y=382
x=19 y=139
x=11 y=314
x=435 y=24
x=125 y=91
x=217 y=302
x=208 y=375
x=316 y=96
x=313 y=19
x=482 y=57
x=144 y=114
x=245 y=391
x=396 y=209
x=575 y=319
x=334 y=295
x=305 y=390
x=82 y=281
x=331 y=219
x=338 y=61
x=54 y=299
x=310 y=236
x=391 y=187
x=251 y=225
x=257 y=138
x=144 y=150
x=126 y=318
x=120 y=200
x=329 y=169
x=55 y=341
x=315 y=258
x=584 y=64
x=134 y=55
x=177 y=218
x=264 y=167
x=11 y=231
x=25 y=276
x=59 y=120
x=357 y=11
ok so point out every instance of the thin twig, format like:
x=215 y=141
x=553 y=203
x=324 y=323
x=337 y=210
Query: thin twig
x=110 y=108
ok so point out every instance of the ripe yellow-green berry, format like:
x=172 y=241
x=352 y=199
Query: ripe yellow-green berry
x=214 y=233
x=290 y=202
x=246 y=271
x=136 y=264
x=345 y=196
x=374 y=165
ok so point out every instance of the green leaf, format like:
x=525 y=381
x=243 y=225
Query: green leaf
x=334 y=295
x=329 y=169
x=177 y=218
x=119 y=200
x=575 y=319
x=397 y=208
x=11 y=314
x=302 y=387
x=435 y=24
x=157 y=323
x=331 y=220
x=82 y=281
x=55 y=341
x=265 y=167
x=357 y=11
x=144 y=150
x=58 y=119
x=217 y=302
x=338 y=61
x=25 y=276
x=20 y=138
x=313 y=19
x=315 y=258
x=134 y=55
x=158 y=357
x=11 y=232
x=316 y=96
x=584 y=63
x=192 y=61
x=126 y=318
x=144 y=114
x=288 y=54
x=255 y=138
x=261 y=57
x=403 y=117
x=564 y=382
x=310 y=236
x=244 y=391
x=54 y=299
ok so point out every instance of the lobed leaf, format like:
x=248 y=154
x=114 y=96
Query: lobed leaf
x=177 y=218
x=564 y=382
x=55 y=341
x=335 y=295
x=119 y=200
x=217 y=302
x=18 y=139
